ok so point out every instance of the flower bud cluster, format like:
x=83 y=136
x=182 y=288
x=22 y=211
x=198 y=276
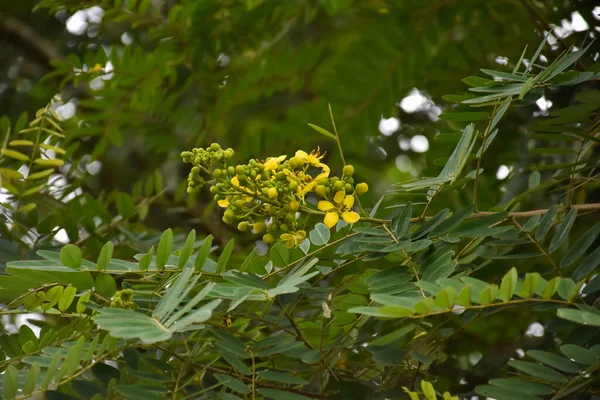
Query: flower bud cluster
x=268 y=197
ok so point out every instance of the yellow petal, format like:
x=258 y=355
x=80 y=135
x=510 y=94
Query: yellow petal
x=339 y=197
x=325 y=205
x=301 y=234
x=331 y=218
x=350 y=217
x=349 y=201
x=302 y=155
x=309 y=187
x=223 y=203
x=235 y=181
x=286 y=236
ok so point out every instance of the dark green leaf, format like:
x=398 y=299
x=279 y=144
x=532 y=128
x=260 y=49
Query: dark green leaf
x=562 y=232
x=546 y=223
x=580 y=246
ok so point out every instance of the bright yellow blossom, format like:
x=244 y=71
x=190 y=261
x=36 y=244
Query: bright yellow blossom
x=342 y=205
x=293 y=239
x=224 y=202
x=273 y=162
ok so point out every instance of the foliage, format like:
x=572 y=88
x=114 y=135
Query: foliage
x=426 y=293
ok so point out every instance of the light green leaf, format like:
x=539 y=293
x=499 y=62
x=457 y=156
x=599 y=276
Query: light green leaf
x=323 y=132
x=320 y=235
x=509 y=285
x=10 y=383
x=66 y=298
x=203 y=253
x=125 y=205
x=70 y=256
x=224 y=258
x=31 y=379
x=280 y=255
x=105 y=285
x=579 y=316
x=105 y=256
x=165 y=246
x=187 y=249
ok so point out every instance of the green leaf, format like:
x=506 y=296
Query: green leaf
x=125 y=205
x=579 y=316
x=580 y=246
x=280 y=255
x=320 y=235
x=323 y=132
x=165 y=246
x=503 y=393
x=224 y=258
x=203 y=253
x=105 y=256
x=538 y=371
x=52 y=297
x=66 y=298
x=464 y=116
x=509 y=285
x=282 y=377
x=579 y=354
x=146 y=260
x=105 y=285
x=71 y=361
x=70 y=256
x=430 y=224
x=277 y=394
x=546 y=223
x=428 y=390
x=588 y=265
x=534 y=179
x=10 y=383
x=129 y=324
x=456 y=219
x=401 y=222
x=504 y=75
x=522 y=386
x=84 y=298
x=555 y=361
x=233 y=383
x=31 y=379
x=187 y=249
x=562 y=232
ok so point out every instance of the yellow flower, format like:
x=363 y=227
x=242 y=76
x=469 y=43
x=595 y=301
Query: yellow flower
x=293 y=239
x=342 y=205
x=312 y=158
x=223 y=203
x=235 y=181
x=273 y=162
x=96 y=68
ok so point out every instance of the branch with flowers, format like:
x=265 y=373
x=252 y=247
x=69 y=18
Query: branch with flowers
x=270 y=197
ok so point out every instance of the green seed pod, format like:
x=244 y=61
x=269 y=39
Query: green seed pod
x=348 y=170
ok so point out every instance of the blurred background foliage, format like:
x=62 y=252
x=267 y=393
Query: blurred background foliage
x=140 y=81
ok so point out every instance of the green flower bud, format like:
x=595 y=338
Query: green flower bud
x=215 y=147
x=272 y=193
x=240 y=170
x=362 y=188
x=293 y=185
x=214 y=189
x=320 y=190
x=280 y=175
x=244 y=226
x=295 y=162
x=268 y=238
x=217 y=173
x=290 y=218
x=323 y=181
x=293 y=205
x=348 y=188
x=348 y=170
x=284 y=228
x=190 y=189
x=253 y=174
x=228 y=154
x=338 y=186
x=230 y=171
x=259 y=227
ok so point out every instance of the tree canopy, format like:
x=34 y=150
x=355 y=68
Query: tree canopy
x=248 y=199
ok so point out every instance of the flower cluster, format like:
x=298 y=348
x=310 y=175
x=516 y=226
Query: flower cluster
x=269 y=197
